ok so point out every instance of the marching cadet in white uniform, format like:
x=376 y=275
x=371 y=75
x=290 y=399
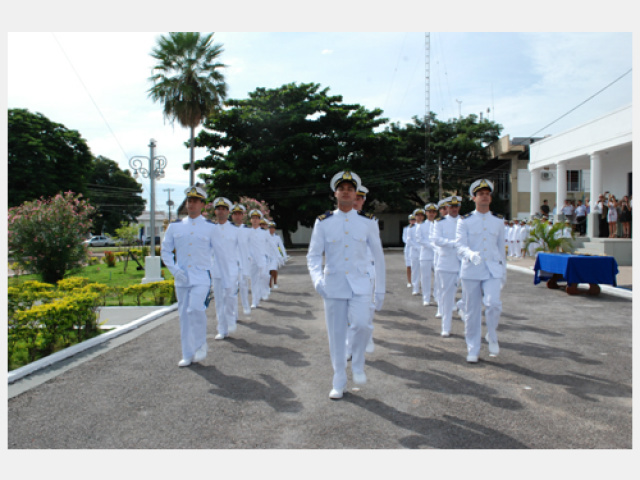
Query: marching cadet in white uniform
x=442 y=212
x=226 y=268
x=358 y=205
x=447 y=264
x=407 y=247
x=278 y=261
x=342 y=236
x=480 y=242
x=423 y=237
x=259 y=248
x=237 y=216
x=193 y=240
x=415 y=247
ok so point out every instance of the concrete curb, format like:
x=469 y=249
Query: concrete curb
x=22 y=372
x=607 y=289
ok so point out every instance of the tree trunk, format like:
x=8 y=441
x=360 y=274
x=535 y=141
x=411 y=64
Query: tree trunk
x=191 y=156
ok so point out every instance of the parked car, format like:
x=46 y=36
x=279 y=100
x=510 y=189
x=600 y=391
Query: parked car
x=147 y=241
x=99 y=241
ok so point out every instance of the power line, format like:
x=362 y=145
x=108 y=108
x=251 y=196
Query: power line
x=89 y=94
x=582 y=103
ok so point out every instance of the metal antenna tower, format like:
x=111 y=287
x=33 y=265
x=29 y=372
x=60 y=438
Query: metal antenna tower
x=427 y=104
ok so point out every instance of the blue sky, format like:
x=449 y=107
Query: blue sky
x=96 y=82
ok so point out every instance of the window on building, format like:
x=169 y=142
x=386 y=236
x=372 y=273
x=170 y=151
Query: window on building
x=574 y=181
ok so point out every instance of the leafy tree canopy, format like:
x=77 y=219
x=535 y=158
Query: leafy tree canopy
x=45 y=158
x=283 y=146
x=115 y=194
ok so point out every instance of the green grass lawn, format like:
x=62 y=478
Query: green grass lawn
x=113 y=277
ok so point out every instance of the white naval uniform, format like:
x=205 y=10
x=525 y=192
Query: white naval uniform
x=423 y=237
x=407 y=250
x=447 y=266
x=344 y=282
x=482 y=234
x=414 y=253
x=278 y=260
x=194 y=243
x=259 y=248
x=244 y=268
x=225 y=275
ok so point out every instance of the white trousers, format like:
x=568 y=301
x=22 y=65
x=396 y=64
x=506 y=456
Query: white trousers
x=426 y=269
x=351 y=330
x=339 y=313
x=243 y=289
x=448 y=288
x=256 y=273
x=225 y=312
x=193 y=318
x=477 y=293
x=415 y=273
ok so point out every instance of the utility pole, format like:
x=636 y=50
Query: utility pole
x=169 y=202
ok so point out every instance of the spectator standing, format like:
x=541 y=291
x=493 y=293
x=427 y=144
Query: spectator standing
x=544 y=208
x=612 y=216
x=581 y=218
x=625 y=217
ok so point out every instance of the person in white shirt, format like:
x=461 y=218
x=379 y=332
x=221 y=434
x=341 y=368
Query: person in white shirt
x=259 y=249
x=443 y=210
x=226 y=268
x=341 y=237
x=581 y=218
x=415 y=247
x=423 y=238
x=407 y=247
x=237 y=216
x=186 y=251
x=480 y=243
x=275 y=262
x=447 y=264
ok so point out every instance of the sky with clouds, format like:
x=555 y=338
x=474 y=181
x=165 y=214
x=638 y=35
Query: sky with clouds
x=97 y=83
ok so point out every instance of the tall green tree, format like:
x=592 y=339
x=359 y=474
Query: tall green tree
x=283 y=146
x=456 y=147
x=188 y=80
x=115 y=194
x=45 y=158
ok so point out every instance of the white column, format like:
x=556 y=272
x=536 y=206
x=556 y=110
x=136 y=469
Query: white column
x=561 y=186
x=534 y=204
x=595 y=188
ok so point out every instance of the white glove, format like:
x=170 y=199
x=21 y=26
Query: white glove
x=180 y=276
x=319 y=286
x=475 y=258
x=378 y=301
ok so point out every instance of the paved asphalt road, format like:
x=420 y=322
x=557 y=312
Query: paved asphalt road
x=563 y=380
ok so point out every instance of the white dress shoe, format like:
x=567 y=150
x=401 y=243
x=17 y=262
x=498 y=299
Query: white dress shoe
x=336 y=394
x=426 y=304
x=359 y=378
x=472 y=359
x=494 y=348
x=184 y=362
x=445 y=334
x=219 y=337
x=275 y=286
x=438 y=315
x=408 y=285
x=415 y=294
x=253 y=306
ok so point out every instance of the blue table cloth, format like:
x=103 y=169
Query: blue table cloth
x=577 y=268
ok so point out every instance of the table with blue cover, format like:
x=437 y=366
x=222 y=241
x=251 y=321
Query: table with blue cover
x=575 y=269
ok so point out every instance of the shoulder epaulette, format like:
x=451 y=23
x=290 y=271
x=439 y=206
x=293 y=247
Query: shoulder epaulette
x=466 y=216
x=177 y=221
x=325 y=215
x=497 y=215
x=370 y=216
x=209 y=221
x=438 y=219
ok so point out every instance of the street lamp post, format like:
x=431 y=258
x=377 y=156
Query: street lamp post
x=155 y=171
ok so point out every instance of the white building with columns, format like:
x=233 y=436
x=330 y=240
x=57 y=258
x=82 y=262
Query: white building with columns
x=599 y=151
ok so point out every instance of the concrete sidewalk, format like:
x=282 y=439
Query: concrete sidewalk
x=562 y=380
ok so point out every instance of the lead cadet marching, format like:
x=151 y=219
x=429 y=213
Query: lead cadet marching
x=342 y=236
x=194 y=241
x=480 y=243
x=447 y=264
x=226 y=268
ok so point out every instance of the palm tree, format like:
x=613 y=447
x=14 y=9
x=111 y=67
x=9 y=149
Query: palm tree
x=188 y=80
x=550 y=238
